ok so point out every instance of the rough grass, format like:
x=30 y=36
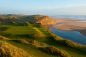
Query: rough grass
x=8 y=50
x=74 y=49
x=31 y=49
x=24 y=33
x=55 y=51
x=45 y=48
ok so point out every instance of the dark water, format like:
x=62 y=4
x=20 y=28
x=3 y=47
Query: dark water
x=71 y=35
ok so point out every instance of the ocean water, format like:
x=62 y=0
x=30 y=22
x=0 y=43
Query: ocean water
x=77 y=17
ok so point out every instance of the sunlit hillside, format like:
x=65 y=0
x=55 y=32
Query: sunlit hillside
x=27 y=36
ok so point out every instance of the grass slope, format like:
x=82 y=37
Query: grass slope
x=35 y=41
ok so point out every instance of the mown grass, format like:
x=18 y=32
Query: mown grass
x=19 y=30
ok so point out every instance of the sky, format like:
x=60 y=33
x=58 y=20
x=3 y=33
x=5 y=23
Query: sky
x=46 y=7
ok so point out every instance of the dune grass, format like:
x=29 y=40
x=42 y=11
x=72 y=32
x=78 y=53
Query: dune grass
x=31 y=49
x=33 y=33
x=8 y=50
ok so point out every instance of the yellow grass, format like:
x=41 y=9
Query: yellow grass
x=8 y=50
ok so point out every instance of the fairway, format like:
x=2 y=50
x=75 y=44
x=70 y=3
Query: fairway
x=19 y=30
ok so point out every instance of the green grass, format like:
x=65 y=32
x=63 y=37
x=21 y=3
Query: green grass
x=20 y=30
x=27 y=32
x=73 y=51
x=31 y=49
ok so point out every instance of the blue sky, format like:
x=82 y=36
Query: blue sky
x=48 y=7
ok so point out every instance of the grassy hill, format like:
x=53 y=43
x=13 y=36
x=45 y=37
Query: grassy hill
x=25 y=36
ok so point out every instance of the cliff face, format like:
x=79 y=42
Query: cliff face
x=47 y=21
x=62 y=24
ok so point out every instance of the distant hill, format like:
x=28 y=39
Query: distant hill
x=43 y=20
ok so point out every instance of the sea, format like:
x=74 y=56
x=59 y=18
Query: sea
x=75 y=17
